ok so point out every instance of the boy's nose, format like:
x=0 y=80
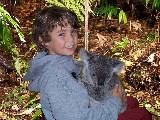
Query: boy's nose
x=70 y=38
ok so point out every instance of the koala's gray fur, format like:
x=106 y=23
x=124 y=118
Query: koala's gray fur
x=99 y=75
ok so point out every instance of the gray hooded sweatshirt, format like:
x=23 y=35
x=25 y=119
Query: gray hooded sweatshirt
x=61 y=96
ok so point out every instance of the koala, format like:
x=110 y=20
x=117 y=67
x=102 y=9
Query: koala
x=99 y=76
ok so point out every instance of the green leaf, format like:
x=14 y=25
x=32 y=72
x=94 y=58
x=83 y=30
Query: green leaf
x=136 y=75
x=30 y=110
x=17 y=64
x=21 y=98
x=147 y=1
x=32 y=97
x=151 y=109
x=116 y=54
x=7 y=16
x=15 y=92
x=122 y=17
x=38 y=112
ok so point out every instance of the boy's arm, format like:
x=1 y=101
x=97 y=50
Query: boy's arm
x=69 y=101
x=108 y=110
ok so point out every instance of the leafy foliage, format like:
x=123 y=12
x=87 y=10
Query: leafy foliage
x=6 y=19
x=76 y=5
x=120 y=45
x=6 y=40
x=110 y=9
x=156 y=4
x=5 y=33
x=30 y=103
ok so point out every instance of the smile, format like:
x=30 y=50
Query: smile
x=70 y=47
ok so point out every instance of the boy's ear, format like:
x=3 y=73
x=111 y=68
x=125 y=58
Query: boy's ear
x=45 y=44
x=41 y=40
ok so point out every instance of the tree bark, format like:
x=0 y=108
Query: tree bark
x=86 y=25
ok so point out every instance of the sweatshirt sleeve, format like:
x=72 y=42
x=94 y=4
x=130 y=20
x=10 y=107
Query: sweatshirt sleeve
x=67 y=100
x=105 y=111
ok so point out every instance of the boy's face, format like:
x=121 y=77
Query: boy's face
x=63 y=40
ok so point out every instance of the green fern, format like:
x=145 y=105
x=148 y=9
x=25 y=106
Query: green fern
x=75 y=5
x=6 y=40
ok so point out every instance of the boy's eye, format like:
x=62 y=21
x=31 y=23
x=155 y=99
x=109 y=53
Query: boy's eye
x=61 y=34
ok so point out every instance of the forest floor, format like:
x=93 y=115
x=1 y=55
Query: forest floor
x=134 y=43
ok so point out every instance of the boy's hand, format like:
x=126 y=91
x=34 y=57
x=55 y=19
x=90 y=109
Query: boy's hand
x=119 y=92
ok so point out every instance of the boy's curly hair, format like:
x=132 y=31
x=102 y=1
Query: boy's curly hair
x=47 y=19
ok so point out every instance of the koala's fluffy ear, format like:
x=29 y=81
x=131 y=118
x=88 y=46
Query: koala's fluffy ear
x=117 y=66
x=83 y=54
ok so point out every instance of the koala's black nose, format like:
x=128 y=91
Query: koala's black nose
x=101 y=81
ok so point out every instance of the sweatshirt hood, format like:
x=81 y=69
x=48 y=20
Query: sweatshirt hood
x=38 y=65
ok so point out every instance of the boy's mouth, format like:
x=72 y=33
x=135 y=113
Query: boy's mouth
x=70 y=47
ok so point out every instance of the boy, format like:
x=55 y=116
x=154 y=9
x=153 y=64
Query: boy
x=55 y=32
